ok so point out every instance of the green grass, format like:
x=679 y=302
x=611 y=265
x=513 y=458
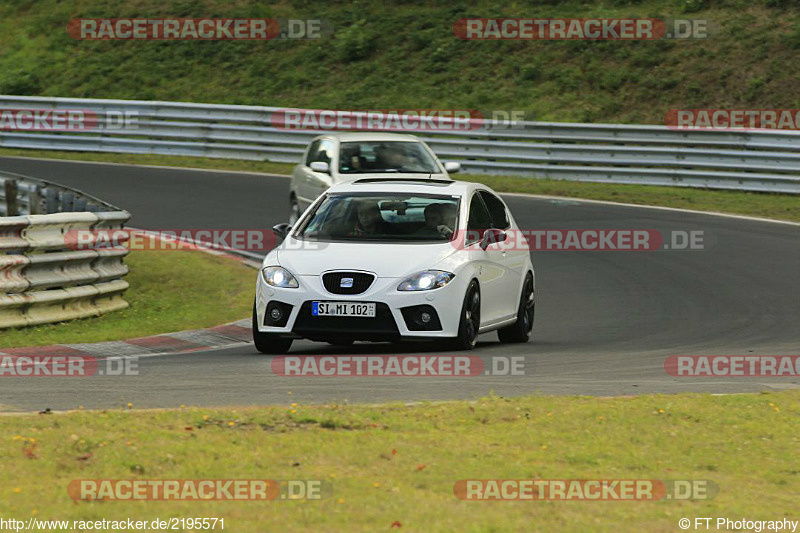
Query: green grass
x=767 y=205
x=398 y=463
x=169 y=291
x=405 y=55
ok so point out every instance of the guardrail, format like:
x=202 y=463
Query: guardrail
x=43 y=278
x=752 y=160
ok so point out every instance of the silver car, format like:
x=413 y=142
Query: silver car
x=339 y=157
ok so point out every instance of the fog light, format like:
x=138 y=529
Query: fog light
x=421 y=318
x=277 y=314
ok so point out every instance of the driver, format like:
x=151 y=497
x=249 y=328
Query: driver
x=392 y=156
x=436 y=216
x=350 y=160
x=449 y=213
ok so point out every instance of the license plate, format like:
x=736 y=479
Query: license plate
x=366 y=310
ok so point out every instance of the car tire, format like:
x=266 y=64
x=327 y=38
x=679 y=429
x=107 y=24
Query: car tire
x=294 y=210
x=269 y=343
x=520 y=331
x=470 y=320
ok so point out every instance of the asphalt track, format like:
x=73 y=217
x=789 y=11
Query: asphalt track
x=605 y=321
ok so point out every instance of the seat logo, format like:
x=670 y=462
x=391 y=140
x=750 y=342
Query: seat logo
x=346 y=283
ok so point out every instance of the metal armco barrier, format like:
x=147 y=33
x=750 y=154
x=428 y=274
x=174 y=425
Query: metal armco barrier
x=755 y=160
x=43 y=278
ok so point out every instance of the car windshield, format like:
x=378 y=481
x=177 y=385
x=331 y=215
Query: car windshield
x=367 y=157
x=382 y=217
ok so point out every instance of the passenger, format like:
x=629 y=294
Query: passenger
x=369 y=220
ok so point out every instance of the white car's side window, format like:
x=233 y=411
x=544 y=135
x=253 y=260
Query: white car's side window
x=478 y=220
x=325 y=152
x=497 y=210
x=312 y=152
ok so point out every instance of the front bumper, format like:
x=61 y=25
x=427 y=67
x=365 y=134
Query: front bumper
x=388 y=324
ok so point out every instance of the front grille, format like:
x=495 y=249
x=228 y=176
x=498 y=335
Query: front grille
x=324 y=328
x=360 y=282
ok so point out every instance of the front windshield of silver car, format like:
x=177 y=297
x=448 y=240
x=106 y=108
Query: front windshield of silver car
x=367 y=157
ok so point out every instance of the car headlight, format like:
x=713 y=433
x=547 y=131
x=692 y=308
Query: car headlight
x=279 y=277
x=426 y=280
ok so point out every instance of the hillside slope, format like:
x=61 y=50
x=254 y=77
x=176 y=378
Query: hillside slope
x=407 y=56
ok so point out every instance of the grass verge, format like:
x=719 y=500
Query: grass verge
x=391 y=464
x=775 y=206
x=168 y=293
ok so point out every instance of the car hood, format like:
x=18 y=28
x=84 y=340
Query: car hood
x=387 y=260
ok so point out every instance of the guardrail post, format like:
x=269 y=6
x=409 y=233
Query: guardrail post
x=51 y=200
x=67 y=202
x=11 y=190
x=35 y=201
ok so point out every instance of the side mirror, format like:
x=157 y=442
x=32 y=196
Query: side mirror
x=492 y=236
x=452 y=167
x=282 y=230
x=320 y=166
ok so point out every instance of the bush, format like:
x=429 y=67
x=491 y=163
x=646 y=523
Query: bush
x=20 y=83
x=353 y=43
x=692 y=6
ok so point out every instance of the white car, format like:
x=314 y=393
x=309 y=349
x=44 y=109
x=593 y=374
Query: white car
x=382 y=259
x=340 y=157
